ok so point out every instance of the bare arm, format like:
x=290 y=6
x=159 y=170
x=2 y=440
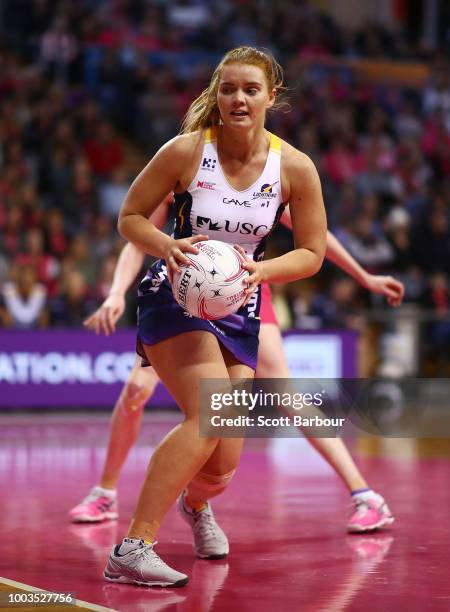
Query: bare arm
x=164 y=173
x=128 y=265
x=131 y=258
x=130 y=261
x=308 y=224
x=159 y=177
x=388 y=286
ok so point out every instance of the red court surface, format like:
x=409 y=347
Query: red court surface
x=284 y=513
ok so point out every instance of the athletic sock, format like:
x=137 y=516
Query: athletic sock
x=129 y=544
x=363 y=494
x=194 y=507
x=106 y=492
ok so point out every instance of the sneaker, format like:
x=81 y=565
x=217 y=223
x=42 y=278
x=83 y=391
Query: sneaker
x=142 y=566
x=210 y=542
x=369 y=513
x=94 y=508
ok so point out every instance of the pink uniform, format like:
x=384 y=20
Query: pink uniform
x=267 y=313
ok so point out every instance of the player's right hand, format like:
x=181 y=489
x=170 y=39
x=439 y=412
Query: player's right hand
x=390 y=287
x=174 y=255
x=104 y=319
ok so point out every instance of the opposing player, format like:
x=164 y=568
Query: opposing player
x=225 y=154
x=370 y=511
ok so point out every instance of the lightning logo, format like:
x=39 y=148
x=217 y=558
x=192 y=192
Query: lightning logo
x=265 y=191
x=266 y=188
x=182 y=217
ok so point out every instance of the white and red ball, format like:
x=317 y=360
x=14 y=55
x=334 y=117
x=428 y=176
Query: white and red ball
x=212 y=286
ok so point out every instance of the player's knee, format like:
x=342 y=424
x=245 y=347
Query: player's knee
x=134 y=398
x=272 y=365
x=267 y=363
x=212 y=482
x=263 y=369
x=146 y=378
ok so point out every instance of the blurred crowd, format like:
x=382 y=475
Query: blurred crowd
x=84 y=83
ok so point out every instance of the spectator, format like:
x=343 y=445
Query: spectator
x=56 y=238
x=23 y=300
x=432 y=243
x=104 y=151
x=436 y=95
x=437 y=298
x=369 y=248
x=73 y=304
x=79 y=258
x=338 y=309
x=113 y=191
x=12 y=231
x=375 y=179
x=45 y=265
x=81 y=202
x=103 y=237
x=105 y=277
x=59 y=50
x=342 y=163
x=398 y=232
x=28 y=200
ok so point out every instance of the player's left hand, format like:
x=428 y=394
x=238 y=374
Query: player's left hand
x=255 y=270
x=388 y=286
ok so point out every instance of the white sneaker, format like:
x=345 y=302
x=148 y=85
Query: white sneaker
x=210 y=542
x=141 y=565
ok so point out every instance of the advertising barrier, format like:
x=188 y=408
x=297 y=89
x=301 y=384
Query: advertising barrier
x=76 y=369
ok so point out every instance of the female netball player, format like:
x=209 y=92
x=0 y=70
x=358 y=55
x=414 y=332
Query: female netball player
x=370 y=511
x=224 y=154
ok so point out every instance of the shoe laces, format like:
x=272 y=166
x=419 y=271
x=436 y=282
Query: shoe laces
x=94 y=496
x=205 y=524
x=362 y=505
x=146 y=553
x=91 y=497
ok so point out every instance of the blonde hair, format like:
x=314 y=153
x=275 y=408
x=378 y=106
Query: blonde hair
x=204 y=112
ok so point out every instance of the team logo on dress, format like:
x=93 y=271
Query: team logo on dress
x=232 y=227
x=209 y=163
x=207 y=223
x=206 y=185
x=266 y=191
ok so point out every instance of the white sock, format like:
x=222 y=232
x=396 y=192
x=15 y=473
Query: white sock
x=129 y=544
x=365 y=494
x=112 y=493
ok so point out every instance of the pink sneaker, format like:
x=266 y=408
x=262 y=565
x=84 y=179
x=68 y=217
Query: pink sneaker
x=369 y=513
x=94 y=508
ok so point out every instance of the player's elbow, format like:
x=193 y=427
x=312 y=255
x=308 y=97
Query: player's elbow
x=317 y=249
x=316 y=261
x=122 y=226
